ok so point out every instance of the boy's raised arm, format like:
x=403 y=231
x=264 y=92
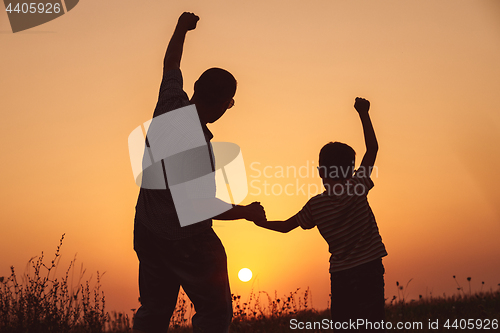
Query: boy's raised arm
x=362 y=106
x=187 y=21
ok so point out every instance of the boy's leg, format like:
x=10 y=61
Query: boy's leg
x=342 y=301
x=158 y=286
x=371 y=295
x=358 y=293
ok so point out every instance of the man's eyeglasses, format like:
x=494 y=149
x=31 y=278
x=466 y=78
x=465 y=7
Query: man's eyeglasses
x=231 y=103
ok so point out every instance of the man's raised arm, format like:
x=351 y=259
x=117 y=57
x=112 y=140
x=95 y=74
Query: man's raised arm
x=187 y=21
x=362 y=106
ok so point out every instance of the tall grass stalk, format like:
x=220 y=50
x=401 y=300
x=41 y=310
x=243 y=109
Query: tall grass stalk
x=42 y=302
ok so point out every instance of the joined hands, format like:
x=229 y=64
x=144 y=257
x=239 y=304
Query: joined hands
x=255 y=212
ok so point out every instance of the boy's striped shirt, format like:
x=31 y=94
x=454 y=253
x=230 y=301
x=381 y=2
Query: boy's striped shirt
x=346 y=222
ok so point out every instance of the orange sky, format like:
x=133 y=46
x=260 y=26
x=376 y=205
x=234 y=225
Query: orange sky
x=74 y=88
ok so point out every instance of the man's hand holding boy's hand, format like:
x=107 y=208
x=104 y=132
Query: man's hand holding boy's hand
x=187 y=21
x=255 y=212
x=361 y=105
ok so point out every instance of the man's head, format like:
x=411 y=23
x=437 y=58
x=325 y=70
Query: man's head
x=213 y=94
x=336 y=161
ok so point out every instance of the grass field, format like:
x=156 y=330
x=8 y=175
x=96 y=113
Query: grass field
x=39 y=302
x=478 y=312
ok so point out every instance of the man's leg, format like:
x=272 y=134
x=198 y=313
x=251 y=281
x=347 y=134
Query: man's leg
x=202 y=271
x=158 y=285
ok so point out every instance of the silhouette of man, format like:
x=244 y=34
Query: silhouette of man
x=192 y=256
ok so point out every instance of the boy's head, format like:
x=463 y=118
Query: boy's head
x=336 y=161
x=214 y=92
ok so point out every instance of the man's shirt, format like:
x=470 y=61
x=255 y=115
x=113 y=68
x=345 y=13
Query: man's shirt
x=155 y=207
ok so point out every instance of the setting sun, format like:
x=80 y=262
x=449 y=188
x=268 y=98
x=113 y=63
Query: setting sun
x=245 y=274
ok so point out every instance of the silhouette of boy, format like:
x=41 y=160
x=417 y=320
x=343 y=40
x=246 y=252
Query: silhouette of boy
x=193 y=256
x=345 y=220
